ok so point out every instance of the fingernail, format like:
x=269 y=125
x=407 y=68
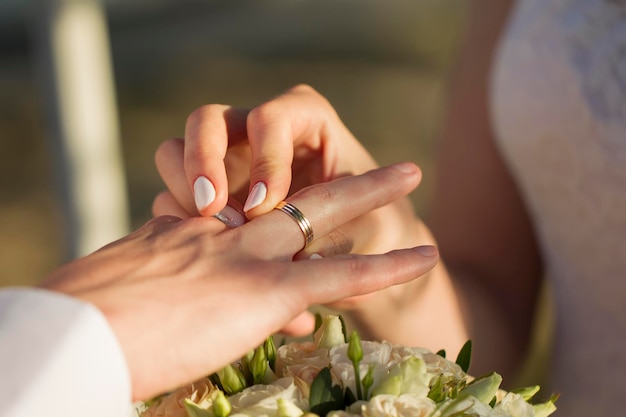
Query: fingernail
x=230 y=217
x=315 y=256
x=405 y=167
x=426 y=250
x=256 y=197
x=203 y=192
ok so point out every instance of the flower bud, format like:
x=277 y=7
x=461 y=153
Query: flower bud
x=368 y=381
x=270 y=352
x=231 y=379
x=330 y=333
x=221 y=405
x=287 y=408
x=355 y=351
x=258 y=365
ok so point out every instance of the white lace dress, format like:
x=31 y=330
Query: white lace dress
x=559 y=111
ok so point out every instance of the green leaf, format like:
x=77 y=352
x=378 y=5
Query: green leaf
x=527 y=392
x=324 y=397
x=483 y=388
x=465 y=356
x=349 y=398
x=442 y=353
x=545 y=409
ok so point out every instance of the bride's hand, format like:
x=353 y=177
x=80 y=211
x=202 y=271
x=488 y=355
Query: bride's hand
x=260 y=156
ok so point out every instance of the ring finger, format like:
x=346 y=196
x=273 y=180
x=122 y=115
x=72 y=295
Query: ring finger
x=328 y=206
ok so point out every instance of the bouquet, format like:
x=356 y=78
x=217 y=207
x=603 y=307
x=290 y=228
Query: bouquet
x=339 y=376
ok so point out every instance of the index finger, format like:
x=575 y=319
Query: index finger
x=296 y=125
x=208 y=131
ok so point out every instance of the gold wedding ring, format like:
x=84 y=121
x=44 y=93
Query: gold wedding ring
x=303 y=223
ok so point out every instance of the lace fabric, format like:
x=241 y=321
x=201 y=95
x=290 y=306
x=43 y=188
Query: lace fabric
x=559 y=113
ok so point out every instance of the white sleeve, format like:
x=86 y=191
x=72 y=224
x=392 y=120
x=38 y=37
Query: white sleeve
x=59 y=357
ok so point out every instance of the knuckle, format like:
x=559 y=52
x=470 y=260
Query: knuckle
x=339 y=243
x=264 y=114
x=357 y=267
x=303 y=88
x=320 y=193
x=155 y=226
x=166 y=148
x=205 y=111
x=315 y=96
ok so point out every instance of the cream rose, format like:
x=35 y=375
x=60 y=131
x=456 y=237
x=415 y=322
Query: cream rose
x=435 y=364
x=405 y=405
x=173 y=405
x=374 y=353
x=514 y=405
x=301 y=360
x=266 y=400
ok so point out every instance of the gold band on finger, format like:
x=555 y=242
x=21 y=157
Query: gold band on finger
x=303 y=223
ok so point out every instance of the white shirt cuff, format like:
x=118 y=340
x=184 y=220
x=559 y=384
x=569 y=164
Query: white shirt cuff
x=59 y=356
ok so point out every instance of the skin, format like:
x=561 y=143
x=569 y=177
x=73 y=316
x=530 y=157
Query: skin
x=187 y=297
x=488 y=283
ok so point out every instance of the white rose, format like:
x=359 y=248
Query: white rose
x=514 y=405
x=374 y=353
x=405 y=405
x=301 y=360
x=263 y=400
x=435 y=364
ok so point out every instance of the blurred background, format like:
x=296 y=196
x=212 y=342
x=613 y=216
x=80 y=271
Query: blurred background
x=382 y=63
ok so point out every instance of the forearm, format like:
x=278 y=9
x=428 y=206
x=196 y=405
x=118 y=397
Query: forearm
x=442 y=310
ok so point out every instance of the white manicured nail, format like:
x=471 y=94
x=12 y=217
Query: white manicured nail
x=315 y=256
x=230 y=217
x=203 y=192
x=256 y=197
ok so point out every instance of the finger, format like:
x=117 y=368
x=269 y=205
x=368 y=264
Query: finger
x=169 y=162
x=328 y=206
x=169 y=158
x=293 y=122
x=207 y=134
x=328 y=280
x=365 y=234
x=302 y=325
x=166 y=205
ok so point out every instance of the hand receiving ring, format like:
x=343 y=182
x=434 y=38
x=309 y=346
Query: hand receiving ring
x=303 y=223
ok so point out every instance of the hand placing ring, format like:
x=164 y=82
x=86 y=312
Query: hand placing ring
x=303 y=223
